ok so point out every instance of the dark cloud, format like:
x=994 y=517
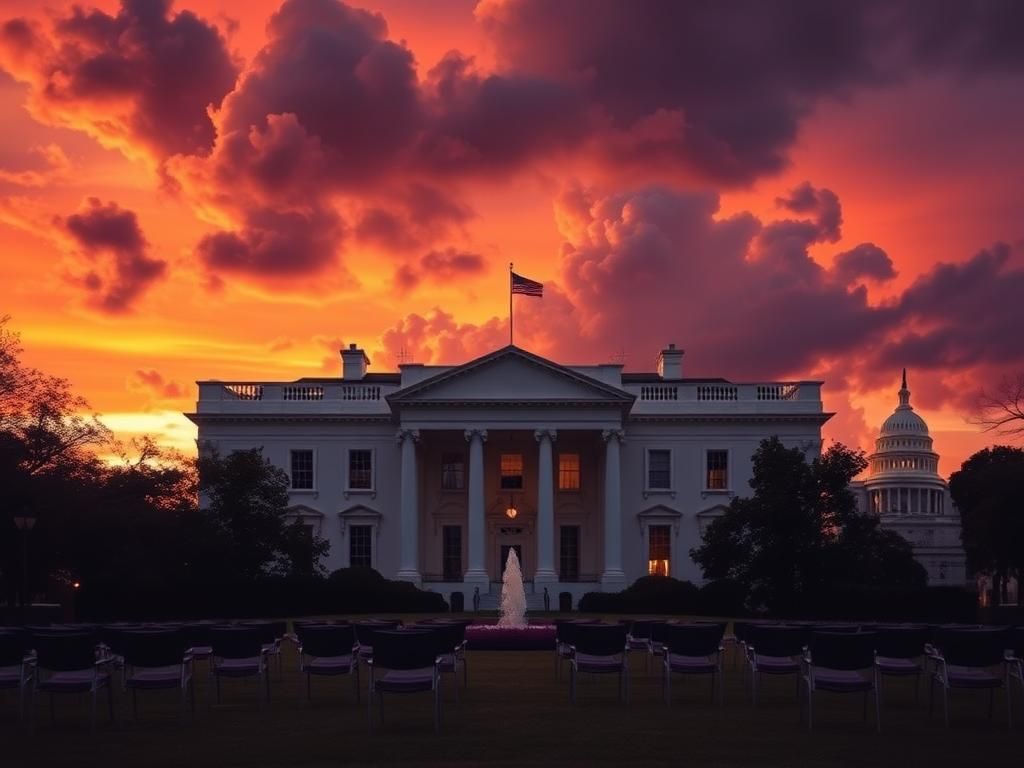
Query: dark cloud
x=142 y=75
x=414 y=217
x=444 y=266
x=823 y=204
x=277 y=244
x=153 y=381
x=866 y=260
x=111 y=234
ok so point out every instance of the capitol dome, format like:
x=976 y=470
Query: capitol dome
x=903 y=420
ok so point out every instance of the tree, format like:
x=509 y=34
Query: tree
x=245 y=518
x=988 y=489
x=1002 y=411
x=800 y=534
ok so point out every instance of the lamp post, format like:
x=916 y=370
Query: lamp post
x=24 y=522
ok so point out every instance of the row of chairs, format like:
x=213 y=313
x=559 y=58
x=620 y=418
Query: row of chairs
x=833 y=658
x=84 y=659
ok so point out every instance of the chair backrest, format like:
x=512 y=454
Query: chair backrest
x=903 y=642
x=235 y=642
x=268 y=631
x=777 y=640
x=450 y=634
x=327 y=640
x=601 y=639
x=843 y=650
x=565 y=630
x=973 y=647
x=154 y=648
x=12 y=648
x=694 y=639
x=65 y=652
x=401 y=650
x=197 y=634
x=659 y=631
x=365 y=629
x=640 y=629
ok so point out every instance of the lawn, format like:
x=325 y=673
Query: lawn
x=515 y=713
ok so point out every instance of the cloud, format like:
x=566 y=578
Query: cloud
x=111 y=239
x=151 y=381
x=822 y=203
x=141 y=78
x=866 y=260
x=439 y=339
x=55 y=167
x=444 y=267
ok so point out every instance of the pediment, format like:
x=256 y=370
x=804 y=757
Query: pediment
x=359 y=512
x=301 y=510
x=659 y=511
x=716 y=510
x=511 y=375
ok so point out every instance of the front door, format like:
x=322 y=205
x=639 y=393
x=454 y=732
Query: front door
x=504 y=558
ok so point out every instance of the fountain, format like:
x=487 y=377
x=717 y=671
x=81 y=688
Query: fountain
x=513 y=596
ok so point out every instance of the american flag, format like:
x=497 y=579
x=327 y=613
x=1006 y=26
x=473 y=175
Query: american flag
x=527 y=286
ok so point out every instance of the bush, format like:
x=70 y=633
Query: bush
x=722 y=597
x=648 y=594
x=363 y=590
x=856 y=602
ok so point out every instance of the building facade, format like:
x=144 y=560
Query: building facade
x=904 y=489
x=431 y=474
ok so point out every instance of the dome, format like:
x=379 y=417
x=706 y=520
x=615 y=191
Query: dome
x=903 y=420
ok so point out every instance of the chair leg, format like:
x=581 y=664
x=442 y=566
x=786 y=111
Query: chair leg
x=437 y=705
x=572 y=684
x=53 y=712
x=878 y=711
x=135 y=705
x=991 y=702
x=309 y=692
x=945 y=704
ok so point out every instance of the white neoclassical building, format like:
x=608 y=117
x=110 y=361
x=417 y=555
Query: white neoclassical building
x=904 y=489
x=431 y=474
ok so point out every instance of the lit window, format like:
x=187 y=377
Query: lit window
x=360 y=470
x=453 y=472
x=659 y=469
x=717 y=477
x=659 y=557
x=568 y=471
x=302 y=469
x=511 y=471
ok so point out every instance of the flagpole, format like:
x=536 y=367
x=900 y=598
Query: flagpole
x=510 y=303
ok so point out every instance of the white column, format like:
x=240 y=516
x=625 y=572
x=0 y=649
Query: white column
x=409 y=568
x=545 y=573
x=476 y=573
x=613 y=578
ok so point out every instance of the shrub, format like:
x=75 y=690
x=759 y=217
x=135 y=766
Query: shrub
x=722 y=597
x=648 y=594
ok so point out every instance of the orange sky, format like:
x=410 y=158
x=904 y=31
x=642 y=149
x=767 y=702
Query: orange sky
x=559 y=151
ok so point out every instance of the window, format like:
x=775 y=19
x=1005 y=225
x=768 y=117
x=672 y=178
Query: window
x=302 y=469
x=360 y=546
x=568 y=471
x=569 y=554
x=451 y=553
x=659 y=556
x=453 y=472
x=659 y=469
x=717 y=474
x=360 y=470
x=511 y=471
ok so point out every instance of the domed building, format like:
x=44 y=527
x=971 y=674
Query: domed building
x=904 y=489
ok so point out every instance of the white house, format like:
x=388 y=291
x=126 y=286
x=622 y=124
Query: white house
x=904 y=489
x=431 y=474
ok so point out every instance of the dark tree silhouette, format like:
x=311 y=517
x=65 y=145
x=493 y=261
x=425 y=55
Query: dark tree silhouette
x=988 y=489
x=1002 y=411
x=800 y=534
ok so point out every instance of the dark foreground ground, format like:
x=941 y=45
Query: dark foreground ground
x=514 y=713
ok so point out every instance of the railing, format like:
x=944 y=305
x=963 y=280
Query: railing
x=245 y=391
x=360 y=392
x=659 y=392
x=717 y=392
x=777 y=391
x=302 y=392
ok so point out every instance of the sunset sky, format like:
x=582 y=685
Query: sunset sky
x=787 y=190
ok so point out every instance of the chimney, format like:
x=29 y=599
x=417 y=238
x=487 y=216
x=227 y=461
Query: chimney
x=354 y=362
x=670 y=363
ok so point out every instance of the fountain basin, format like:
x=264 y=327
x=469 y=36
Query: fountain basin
x=490 y=637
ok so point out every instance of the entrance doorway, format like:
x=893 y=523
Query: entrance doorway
x=504 y=558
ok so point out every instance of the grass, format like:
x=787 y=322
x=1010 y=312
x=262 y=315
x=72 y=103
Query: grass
x=514 y=713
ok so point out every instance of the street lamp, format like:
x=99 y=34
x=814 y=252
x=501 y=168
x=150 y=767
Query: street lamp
x=24 y=522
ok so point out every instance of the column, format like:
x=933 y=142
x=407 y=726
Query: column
x=613 y=578
x=476 y=572
x=545 y=573
x=409 y=568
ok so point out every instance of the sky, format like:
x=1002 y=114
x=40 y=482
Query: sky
x=206 y=189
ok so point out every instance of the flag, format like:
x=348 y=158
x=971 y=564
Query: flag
x=527 y=286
